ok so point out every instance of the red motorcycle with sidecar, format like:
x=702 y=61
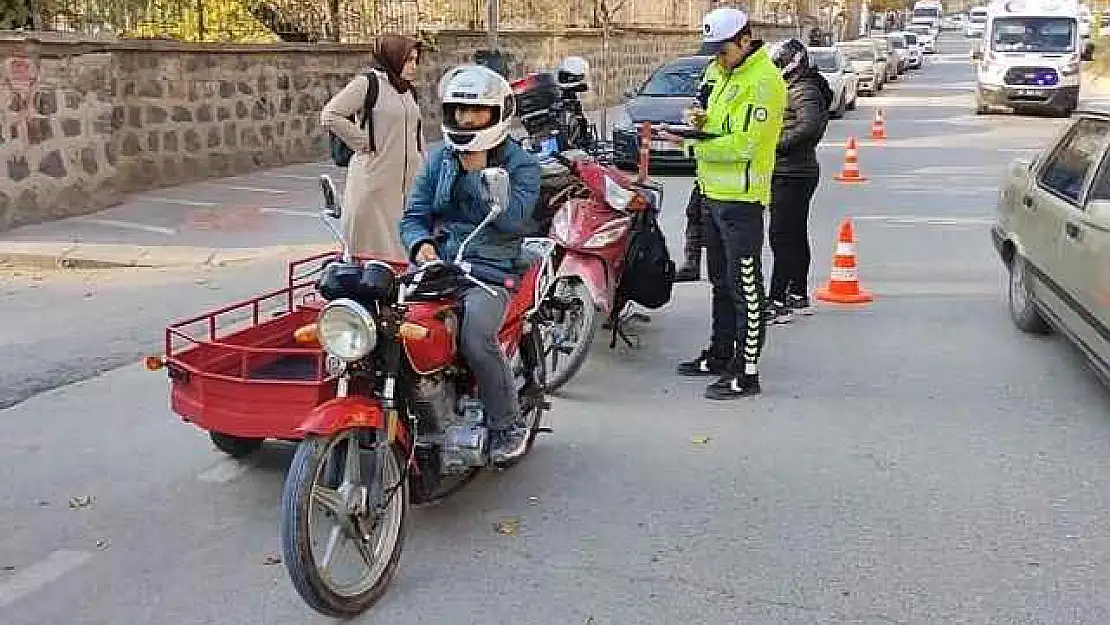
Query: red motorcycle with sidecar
x=360 y=367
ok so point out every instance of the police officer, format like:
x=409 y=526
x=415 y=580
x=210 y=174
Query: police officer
x=735 y=160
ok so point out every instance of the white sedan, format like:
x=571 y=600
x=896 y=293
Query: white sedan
x=925 y=37
x=841 y=76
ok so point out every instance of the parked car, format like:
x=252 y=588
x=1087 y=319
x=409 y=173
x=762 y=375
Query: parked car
x=915 y=56
x=976 y=22
x=661 y=98
x=1053 y=235
x=925 y=37
x=870 y=65
x=840 y=75
x=895 y=66
x=898 y=44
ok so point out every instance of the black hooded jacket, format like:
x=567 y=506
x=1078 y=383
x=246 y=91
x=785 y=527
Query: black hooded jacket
x=803 y=124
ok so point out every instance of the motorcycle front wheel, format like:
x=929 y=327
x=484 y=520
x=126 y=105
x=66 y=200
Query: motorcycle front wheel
x=363 y=510
x=572 y=323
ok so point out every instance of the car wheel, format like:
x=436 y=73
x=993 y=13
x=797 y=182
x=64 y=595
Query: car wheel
x=1022 y=303
x=855 y=100
x=839 y=111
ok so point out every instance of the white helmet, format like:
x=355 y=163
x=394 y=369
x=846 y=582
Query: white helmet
x=573 y=72
x=476 y=85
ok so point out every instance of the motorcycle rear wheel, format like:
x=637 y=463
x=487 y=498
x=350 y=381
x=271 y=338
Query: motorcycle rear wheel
x=306 y=488
x=586 y=326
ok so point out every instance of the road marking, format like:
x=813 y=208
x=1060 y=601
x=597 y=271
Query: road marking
x=130 y=225
x=170 y=200
x=291 y=176
x=224 y=471
x=40 y=574
x=926 y=220
x=289 y=211
x=251 y=189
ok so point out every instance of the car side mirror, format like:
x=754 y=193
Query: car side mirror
x=1099 y=212
x=495 y=188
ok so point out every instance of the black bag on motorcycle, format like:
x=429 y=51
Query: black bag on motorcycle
x=649 y=271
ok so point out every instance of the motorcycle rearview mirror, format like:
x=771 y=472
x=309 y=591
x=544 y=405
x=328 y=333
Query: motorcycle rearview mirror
x=495 y=188
x=331 y=205
x=495 y=191
x=334 y=211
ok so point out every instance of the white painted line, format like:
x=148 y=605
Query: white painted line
x=131 y=225
x=224 y=471
x=170 y=200
x=290 y=176
x=926 y=220
x=40 y=574
x=252 y=189
x=288 y=211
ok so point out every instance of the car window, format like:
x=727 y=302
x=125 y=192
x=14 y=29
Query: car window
x=910 y=38
x=825 y=61
x=1067 y=168
x=858 y=53
x=674 y=81
x=1100 y=186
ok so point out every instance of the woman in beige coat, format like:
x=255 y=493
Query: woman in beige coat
x=379 y=181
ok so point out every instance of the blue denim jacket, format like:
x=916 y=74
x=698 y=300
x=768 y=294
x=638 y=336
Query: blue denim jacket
x=446 y=205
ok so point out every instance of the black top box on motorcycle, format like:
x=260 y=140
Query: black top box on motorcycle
x=536 y=94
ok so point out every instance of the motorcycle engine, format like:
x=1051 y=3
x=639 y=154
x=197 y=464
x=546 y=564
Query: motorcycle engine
x=454 y=424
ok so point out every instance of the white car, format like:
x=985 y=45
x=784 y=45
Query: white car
x=925 y=37
x=841 y=76
x=976 y=22
x=915 y=58
x=898 y=44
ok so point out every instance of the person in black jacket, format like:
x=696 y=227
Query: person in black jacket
x=795 y=179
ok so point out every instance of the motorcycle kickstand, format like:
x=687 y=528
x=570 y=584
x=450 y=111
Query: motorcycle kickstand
x=617 y=324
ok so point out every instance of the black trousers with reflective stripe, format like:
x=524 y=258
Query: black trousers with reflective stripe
x=733 y=246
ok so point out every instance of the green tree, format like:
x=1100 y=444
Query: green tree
x=15 y=14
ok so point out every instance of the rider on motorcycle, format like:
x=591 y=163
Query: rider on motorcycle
x=447 y=204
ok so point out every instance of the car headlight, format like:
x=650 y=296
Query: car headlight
x=346 y=330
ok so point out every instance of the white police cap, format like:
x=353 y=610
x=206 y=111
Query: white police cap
x=720 y=26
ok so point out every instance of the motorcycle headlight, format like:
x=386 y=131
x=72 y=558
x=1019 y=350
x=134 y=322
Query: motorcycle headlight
x=346 y=330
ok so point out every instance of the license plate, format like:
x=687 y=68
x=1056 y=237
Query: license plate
x=1030 y=92
x=663 y=146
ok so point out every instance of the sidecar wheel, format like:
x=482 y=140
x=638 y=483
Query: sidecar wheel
x=235 y=446
x=307 y=491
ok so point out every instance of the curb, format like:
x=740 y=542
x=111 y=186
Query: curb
x=107 y=256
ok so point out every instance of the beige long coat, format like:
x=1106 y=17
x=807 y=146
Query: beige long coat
x=378 y=184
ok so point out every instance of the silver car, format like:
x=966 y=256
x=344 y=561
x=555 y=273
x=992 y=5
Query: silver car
x=1053 y=235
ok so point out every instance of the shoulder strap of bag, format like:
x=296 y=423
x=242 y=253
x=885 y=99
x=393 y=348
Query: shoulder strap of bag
x=368 y=107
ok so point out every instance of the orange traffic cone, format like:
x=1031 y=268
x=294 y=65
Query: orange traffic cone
x=843 y=285
x=850 y=173
x=878 y=127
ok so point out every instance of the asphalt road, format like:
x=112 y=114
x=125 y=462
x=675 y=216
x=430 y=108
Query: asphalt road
x=915 y=461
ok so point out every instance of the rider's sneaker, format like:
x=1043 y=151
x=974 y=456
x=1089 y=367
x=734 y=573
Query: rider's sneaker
x=706 y=364
x=507 y=446
x=800 y=304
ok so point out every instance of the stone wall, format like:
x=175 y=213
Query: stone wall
x=82 y=124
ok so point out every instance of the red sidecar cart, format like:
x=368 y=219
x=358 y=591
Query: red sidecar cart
x=240 y=373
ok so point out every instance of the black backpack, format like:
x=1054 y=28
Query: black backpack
x=341 y=153
x=649 y=272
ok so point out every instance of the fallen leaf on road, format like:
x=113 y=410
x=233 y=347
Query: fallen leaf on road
x=102 y=544
x=271 y=560
x=533 y=501
x=7 y=567
x=83 y=501
x=507 y=527
x=700 y=440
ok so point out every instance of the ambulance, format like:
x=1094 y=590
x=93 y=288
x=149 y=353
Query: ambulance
x=1029 y=57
